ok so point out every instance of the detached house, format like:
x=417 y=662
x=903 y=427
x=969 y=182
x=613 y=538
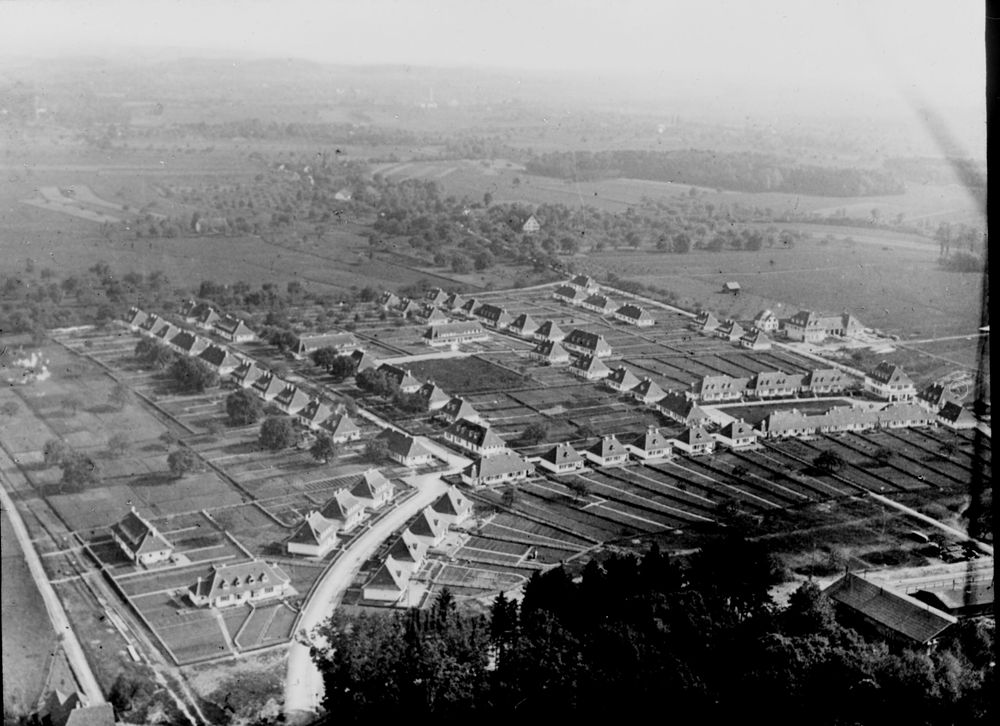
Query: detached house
x=550 y=352
x=372 y=489
x=580 y=341
x=457 y=409
x=523 y=325
x=679 y=407
x=755 y=340
x=705 y=322
x=589 y=368
x=388 y=300
x=234 y=330
x=342 y=343
x=204 y=316
x=934 y=396
x=647 y=391
x=239 y=583
x=314 y=413
x=135 y=318
x=188 y=343
x=561 y=459
x=890 y=382
x=473 y=436
x=497 y=468
x=632 y=314
x=730 y=330
x=429 y=527
x=571 y=295
x=455 y=333
x=141 y=541
x=737 y=435
x=220 y=359
x=454 y=301
x=530 y=225
x=766 y=322
x=291 y=399
x=341 y=428
x=598 y=303
x=345 y=509
x=650 y=445
x=405 y=449
x=549 y=331
x=436 y=296
x=584 y=283
x=494 y=316
x=315 y=537
x=246 y=373
x=402 y=377
x=621 y=379
x=607 y=452
x=695 y=440
x=389 y=583
x=452 y=507
x=433 y=395
x=363 y=360
x=408 y=552
x=468 y=307
x=953 y=416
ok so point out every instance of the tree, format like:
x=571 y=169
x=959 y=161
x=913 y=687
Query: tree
x=882 y=456
x=78 y=470
x=55 y=451
x=118 y=445
x=809 y=611
x=535 y=432
x=243 y=408
x=181 y=461
x=192 y=375
x=682 y=243
x=276 y=433
x=829 y=461
x=376 y=450
x=119 y=396
x=323 y=448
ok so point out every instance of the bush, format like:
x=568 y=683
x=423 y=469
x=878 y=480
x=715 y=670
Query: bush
x=181 y=462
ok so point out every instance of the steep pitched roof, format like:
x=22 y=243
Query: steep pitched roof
x=476 y=434
x=444 y=331
x=452 y=503
x=370 y=485
x=337 y=341
x=292 y=398
x=826 y=377
x=524 y=324
x=498 y=463
x=712 y=384
x=738 y=430
x=551 y=349
x=776 y=379
x=607 y=446
x=315 y=530
x=561 y=454
x=550 y=330
x=432 y=393
x=268 y=384
x=695 y=435
x=316 y=411
x=571 y=293
x=389 y=576
x=458 y=408
x=233 y=327
x=401 y=376
x=342 y=505
x=681 y=406
x=623 y=377
x=140 y=536
x=585 y=281
x=648 y=389
x=239 y=577
x=469 y=305
x=634 y=312
x=649 y=440
x=454 y=301
x=888 y=373
x=599 y=301
x=706 y=321
x=427 y=524
x=408 y=548
x=731 y=329
x=403 y=445
x=955 y=413
x=493 y=313
x=584 y=339
x=590 y=364
x=219 y=357
x=363 y=360
x=340 y=425
x=435 y=296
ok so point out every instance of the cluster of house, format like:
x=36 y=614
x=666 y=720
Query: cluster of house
x=221 y=586
x=309 y=411
x=806 y=326
x=340 y=517
x=583 y=291
x=391 y=581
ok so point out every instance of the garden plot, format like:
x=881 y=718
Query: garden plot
x=482 y=549
x=467 y=580
x=512 y=528
x=766 y=491
x=632 y=484
x=904 y=471
x=858 y=473
x=710 y=487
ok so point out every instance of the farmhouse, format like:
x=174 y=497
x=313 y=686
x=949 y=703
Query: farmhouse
x=774 y=384
x=893 y=615
x=456 y=409
x=345 y=509
x=811 y=327
x=401 y=377
x=598 y=303
x=589 y=368
x=135 y=317
x=433 y=395
x=954 y=416
x=363 y=360
x=429 y=527
x=405 y=449
x=580 y=341
x=246 y=373
x=561 y=459
x=632 y=314
x=737 y=435
x=315 y=537
x=494 y=316
x=238 y=583
x=694 y=440
x=342 y=429
x=188 y=343
x=523 y=325
x=497 y=468
x=234 y=330
x=453 y=333
x=720 y=388
x=408 y=552
x=705 y=322
x=826 y=380
x=607 y=452
x=530 y=225
x=766 y=322
x=621 y=379
x=343 y=343
x=314 y=413
x=388 y=584
x=730 y=330
x=679 y=407
x=572 y=295
x=291 y=399
x=452 y=507
x=550 y=352
x=549 y=331
x=372 y=489
x=890 y=382
x=647 y=391
x=755 y=340
x=474 y=436
x=141 y=541
x=584 y=283
x=220 y=359
x=649 y=445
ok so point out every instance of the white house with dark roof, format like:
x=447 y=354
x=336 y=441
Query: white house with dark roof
x=315 y=537
x=589 y=368
x=363 y=360
x=499 y=467
x=705 y=322
x=455 y=333
x=550 y=352
x=523 y=325
x=474 y=436
x=188 y=343
x=433 y=395
x=408 y=551
x=679 y=407
x=405 y=449
x=954 y=416
x=268 y=386
x=598 y=303
x=494 y=316
x=582 y=341
x=457 y=409
x=890 y=382
x=720 y=388
x=429 y=526
x=621 y=379
x=221 y=359
x=389 y=584
x=548 y=330
x=247 y=373
x=239 y=583
x=561 y=459
x=431 y=315
x=766 y=322
x=934 y=396
x=632 y=314
x=647 y=391
x=694 y=440
x=234 y=330
x=372 y=489
x=452 y=507
x=468 y=307
x=291 y=399
x=407 y=308
x=531 y=225
x=571 y=295
x=345 y=509
x=774 y=384
x=584 y=283
x=755 y=340
x=650 y=445
x=730 y=330
x=737 y=435
x=607 y=451
x=812 y=327
x=141 y=541
x=436 y=296
x=402 y=377
x=341 y=428
x=135 y=317
x=204 y=316
x=454 y=301
x=388 y=300
x=313 y=414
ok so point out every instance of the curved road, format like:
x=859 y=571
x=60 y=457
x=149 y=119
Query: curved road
x=303 y=682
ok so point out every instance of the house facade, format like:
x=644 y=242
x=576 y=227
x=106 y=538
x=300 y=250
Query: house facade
x=650 y=445
x=561 y=459
x=608 y=451
x=890 y=382
x=581 y=341
x=141 y=541
x=694 y=441
x=455 y=333
x=315 y=537
x=474 y=436
x=239 y=583
x=372 y=489
x=500 y=467
x=632 y=314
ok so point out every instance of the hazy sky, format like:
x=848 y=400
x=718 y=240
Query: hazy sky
x=934 y=47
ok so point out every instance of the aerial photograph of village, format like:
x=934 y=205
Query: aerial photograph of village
x=470 y=361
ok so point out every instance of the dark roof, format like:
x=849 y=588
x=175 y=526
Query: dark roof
x=590 y=364
x=403 y=445
x=239 y=577
x=524 y=322
x=408 y=548
x=624 y=377
x=598 y=300
x=607 y=446
x=648 y=388
x=584 y=339
x=894 y=610
x=569 y=292
x=551 y=349
x=440 y=331
x=342 y=505
x=452 y=503
x=561 y=454
x=738 y=430
x=634 y=312
x=649 y=440
x=886 y=373
x=315 y=530
x=458 y=408
x=549 y=329
x=497 y=463
x=695 y=435
x=218 y=356
x=680 y=405
x=370 y=484
x=139 y=534
x=427 y=524
x=955 y=413
x=388 y=576
x=477 y=434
